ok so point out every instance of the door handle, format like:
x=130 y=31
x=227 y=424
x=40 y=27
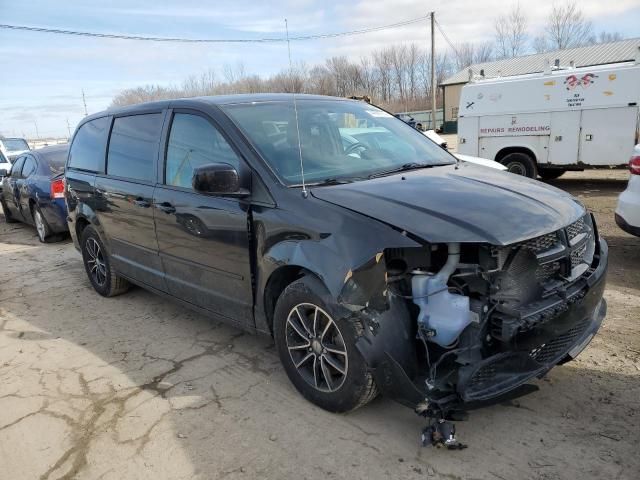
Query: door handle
x=166 y=207
x=141 y=202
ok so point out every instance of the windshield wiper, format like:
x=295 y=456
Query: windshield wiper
x=332 y=181
x=403 y=168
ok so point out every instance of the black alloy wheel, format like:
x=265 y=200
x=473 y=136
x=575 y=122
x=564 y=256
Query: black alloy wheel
x=97 y=264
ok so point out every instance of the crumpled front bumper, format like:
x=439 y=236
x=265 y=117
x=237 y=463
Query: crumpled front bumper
x=564 y=336
x=495 y=377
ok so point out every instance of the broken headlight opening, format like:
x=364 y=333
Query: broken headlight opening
x=485 y=320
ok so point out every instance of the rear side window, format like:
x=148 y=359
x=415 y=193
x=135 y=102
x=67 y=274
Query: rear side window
x=193 y=142
x=29 y=167
x=17 y=167
x=87 y=149
x=55 y=160
x=133 y=147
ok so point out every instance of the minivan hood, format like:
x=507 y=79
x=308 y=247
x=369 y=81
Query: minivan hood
x=465 y=204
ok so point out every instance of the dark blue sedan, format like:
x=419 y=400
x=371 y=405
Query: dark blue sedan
x=33 y=191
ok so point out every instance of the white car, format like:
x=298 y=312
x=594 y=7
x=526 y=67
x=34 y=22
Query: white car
x=628 y=210
x=4 y=165
x=485 y=162
x=12 y=148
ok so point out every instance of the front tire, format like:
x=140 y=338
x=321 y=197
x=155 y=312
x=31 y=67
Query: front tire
x=520 y=164
x=318 y=350
x=98 y=265
x=7 y=214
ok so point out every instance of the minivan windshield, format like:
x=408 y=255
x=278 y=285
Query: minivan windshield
x=340 y=140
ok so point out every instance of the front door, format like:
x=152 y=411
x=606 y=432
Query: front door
x=203 y=239
x=12 y=185
x=124 y=197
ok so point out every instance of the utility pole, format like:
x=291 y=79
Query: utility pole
x=84 y=101
x=37 y=134
x=68 y=127
x=433 y=71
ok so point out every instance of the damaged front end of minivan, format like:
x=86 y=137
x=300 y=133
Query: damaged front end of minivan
x=452 y=326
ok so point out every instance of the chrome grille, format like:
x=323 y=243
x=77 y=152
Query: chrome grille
x=576 y=240
x=541 y=243
x=575 y=229
x=577 y=255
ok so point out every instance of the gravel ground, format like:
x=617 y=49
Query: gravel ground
x=137 y=387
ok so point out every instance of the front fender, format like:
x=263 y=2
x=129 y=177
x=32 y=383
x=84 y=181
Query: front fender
x=342 y=248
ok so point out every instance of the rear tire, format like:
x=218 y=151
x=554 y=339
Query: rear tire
x=550 y=173
x=42 y=227
x=98 y=265
x=7 y=214
x=318 y=348
x=520 y=164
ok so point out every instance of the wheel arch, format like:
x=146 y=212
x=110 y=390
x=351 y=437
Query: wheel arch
x=85 y=218
x=81 y=224
x=503 y=152
x=277 y=282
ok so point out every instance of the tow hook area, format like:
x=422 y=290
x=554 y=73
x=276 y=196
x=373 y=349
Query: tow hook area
x=441 y=431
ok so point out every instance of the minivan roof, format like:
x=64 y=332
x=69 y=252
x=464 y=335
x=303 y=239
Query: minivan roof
x=211 y=100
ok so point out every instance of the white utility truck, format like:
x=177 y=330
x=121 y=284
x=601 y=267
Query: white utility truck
x=547 y=123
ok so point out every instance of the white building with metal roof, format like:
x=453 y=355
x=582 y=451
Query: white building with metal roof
x=600 y=54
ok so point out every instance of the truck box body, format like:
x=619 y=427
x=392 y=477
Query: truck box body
x=574 y=118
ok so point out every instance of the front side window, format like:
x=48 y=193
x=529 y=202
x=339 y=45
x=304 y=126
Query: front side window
x=338 y=139
x=133 y=146
x=29 y=167
x=89 y=143
x=194 y=141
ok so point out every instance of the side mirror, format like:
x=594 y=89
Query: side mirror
x=218 y=179
x=3 y=172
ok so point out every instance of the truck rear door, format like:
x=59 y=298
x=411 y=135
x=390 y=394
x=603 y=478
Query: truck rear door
x=608 y=135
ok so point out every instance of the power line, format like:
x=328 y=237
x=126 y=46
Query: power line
x=210 y=40
x=455 y=50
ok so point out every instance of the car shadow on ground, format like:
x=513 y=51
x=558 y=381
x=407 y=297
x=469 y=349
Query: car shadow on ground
x=593 y=187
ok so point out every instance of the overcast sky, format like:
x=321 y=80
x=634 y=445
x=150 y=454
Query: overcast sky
x=42 y=75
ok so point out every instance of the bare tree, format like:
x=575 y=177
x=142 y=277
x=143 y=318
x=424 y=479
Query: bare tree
x=567 y=27
x=465 y=55
x=233 y=73
x=606 y=37
x=483 y=52
x=397 y=78
x=511 y=33
x=540 y=44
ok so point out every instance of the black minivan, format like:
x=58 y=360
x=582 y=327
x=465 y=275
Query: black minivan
x=377 y=260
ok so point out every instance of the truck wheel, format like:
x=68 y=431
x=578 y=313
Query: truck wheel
x=520 y=164
x=318 y=349
x=550 y=173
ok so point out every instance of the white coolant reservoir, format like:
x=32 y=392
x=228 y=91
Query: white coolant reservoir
x=442 y=312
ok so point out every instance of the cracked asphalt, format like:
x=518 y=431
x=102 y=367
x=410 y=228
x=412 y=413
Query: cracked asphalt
x=137 y=387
